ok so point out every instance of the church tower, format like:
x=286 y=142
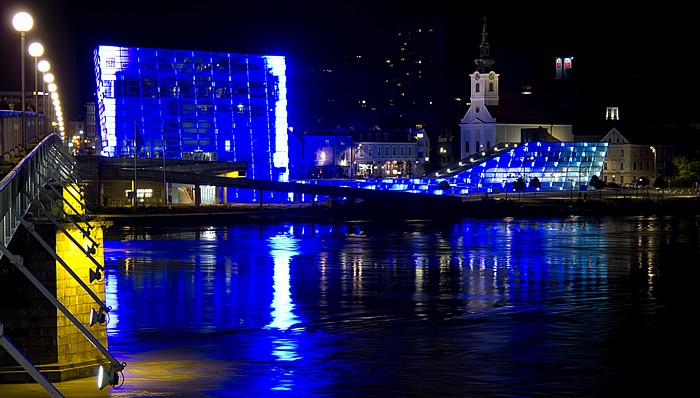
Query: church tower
x=478 y=127
x=484 y=81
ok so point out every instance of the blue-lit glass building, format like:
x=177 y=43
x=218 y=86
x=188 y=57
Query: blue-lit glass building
x=557 y=166
x=195 y=105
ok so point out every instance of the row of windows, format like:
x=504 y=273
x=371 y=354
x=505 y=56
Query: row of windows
x=642 y=166
x=370 y=150
x=234 y=63
x=378 y=136
x=477 y=87
x=185 y=89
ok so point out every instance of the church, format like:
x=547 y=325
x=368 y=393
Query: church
x=494 y=118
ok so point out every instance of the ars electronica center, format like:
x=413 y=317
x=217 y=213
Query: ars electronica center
x=233 y=108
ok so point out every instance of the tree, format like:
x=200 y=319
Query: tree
x=660 y=182
x=444 y=185
x=535 y=184
x=688 y=169
x=519 y=185
x=598 y=184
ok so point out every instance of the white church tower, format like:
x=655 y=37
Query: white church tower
x=478 y=127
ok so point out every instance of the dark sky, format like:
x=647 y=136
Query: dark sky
x=648 y=49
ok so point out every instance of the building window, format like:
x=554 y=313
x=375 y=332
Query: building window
x=622 y=153
x=476 y=88
x=466 y=147
x=622 y=166
x=393 y=150
x=612 y=113
x=605 y=165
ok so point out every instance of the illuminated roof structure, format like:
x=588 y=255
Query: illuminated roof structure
x=194 y=105
x=558 y=166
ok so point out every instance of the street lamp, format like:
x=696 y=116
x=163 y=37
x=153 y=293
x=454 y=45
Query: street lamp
x=22 y=23
x=36 y=50
x=654 y=151
x=48 y=79
x=44 y=67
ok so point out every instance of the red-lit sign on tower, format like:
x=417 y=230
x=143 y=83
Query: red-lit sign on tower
x=563 y=67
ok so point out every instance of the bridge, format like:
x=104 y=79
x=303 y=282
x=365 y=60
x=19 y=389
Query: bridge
x=42 y=196
x=201 y=173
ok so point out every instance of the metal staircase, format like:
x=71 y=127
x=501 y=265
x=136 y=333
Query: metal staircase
x=45 y=187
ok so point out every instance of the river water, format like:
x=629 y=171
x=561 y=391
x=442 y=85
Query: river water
x=565 y=307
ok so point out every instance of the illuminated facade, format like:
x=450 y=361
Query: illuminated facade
x=195 y=105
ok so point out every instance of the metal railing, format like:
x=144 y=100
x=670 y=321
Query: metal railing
x=38 y=184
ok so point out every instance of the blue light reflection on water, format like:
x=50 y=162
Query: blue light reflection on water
x=508 y=307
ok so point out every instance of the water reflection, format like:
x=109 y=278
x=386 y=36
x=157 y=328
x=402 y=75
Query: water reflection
x=558 y=307
x=282 y=248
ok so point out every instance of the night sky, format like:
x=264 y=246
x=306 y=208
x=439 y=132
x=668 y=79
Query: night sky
x=648 y=50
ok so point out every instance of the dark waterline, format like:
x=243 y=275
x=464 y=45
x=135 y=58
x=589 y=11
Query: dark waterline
x=481 y=308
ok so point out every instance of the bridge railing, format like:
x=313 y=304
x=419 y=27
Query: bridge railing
x=19 y=185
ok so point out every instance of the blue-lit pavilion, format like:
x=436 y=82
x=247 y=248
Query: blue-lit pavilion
x=557 y=166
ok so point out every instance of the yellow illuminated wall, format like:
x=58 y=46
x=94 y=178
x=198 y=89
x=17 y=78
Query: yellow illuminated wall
x=71 y=202
x=73 y=346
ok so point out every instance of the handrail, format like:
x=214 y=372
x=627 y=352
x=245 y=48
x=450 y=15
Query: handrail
x=19 y=180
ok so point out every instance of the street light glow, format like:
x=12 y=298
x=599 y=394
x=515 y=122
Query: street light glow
x=44 y=67
x=36 y=49
x=22 y=22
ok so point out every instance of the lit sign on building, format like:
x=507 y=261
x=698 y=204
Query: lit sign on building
x=563 y=67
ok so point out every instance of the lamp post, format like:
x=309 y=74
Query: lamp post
x=44 y=67
x=22 y=22
x=571 y=190
x=653 y=150
x=53 y=95
x=36 y=50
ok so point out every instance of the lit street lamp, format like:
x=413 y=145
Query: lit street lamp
x=44 y=67
x=36 y=50
x=22 y=23
x=50 y=88
x=654 y=151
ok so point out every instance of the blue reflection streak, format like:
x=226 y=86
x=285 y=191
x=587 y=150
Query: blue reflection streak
x=111 y=300
x=282 y=248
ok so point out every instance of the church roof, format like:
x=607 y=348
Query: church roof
x=526 y=109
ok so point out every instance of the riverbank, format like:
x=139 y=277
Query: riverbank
x=474 y=208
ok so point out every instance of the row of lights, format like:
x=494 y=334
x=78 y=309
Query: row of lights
x=23 y=22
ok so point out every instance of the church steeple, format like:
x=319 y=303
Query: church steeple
x=484 y=62
x=484 y=81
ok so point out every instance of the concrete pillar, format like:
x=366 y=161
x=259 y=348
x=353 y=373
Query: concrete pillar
x=49 y=340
